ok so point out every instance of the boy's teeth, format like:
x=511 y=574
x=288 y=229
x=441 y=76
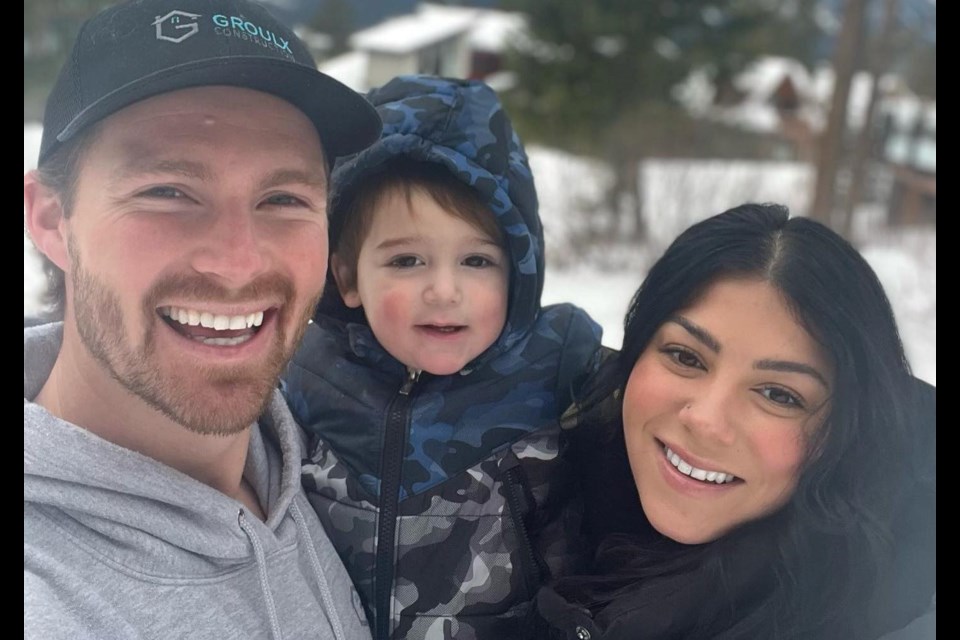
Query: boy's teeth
x=687 y=469
x=218 y=322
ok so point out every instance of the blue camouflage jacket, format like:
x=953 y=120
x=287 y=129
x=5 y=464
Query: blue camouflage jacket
x=443 y=494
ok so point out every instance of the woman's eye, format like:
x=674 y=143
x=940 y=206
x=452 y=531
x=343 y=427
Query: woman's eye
x=781 y=396
x=684 y=357
x=478 y=262
x=404 y=262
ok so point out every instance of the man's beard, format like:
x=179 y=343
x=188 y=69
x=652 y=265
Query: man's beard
x=219 y=400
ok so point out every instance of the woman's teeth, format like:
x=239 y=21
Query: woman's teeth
x=687 y=469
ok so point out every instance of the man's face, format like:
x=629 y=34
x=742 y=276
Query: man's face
x=198 y=248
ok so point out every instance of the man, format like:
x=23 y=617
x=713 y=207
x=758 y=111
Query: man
x=181 y=190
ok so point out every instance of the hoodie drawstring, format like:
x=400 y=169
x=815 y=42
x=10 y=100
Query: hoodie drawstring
x=262 y=572
x=325 y=595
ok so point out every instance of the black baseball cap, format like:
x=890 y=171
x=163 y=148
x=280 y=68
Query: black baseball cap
x=142 y=48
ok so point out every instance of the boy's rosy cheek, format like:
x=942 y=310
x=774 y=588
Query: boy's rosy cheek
x=395 y=306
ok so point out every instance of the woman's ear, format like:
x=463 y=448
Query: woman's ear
x=346 y=278
x=45 y=220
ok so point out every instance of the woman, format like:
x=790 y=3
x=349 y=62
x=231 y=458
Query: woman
x=753 y=462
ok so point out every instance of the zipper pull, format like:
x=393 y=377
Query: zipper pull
x=412 y=376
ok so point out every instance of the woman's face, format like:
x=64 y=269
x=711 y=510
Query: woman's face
x=719 y=408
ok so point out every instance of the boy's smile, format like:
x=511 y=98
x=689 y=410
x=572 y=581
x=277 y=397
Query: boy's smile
x=433 y=287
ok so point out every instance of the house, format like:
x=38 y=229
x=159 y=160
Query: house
x=459 y=42
x=779 y=97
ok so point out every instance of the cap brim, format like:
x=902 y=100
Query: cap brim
x=346 y=122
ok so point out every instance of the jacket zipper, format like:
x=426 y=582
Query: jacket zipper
x=533 y=569
x=391 y=466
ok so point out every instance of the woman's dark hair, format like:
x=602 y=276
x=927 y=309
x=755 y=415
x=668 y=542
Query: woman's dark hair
x=826 y=542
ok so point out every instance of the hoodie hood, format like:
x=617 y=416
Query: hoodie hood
x=460 y=125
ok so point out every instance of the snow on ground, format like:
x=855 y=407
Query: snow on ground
x=677 y=194
x=681 y=192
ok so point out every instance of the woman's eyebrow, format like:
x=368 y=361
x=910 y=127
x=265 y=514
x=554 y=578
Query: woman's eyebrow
x=697 y=332
x=790 y=366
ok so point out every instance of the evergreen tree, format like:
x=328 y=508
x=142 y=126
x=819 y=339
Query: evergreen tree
x=49 y=27
x=597 y=77
x=335 y=19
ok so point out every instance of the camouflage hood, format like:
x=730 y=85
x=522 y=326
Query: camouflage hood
x=461 y=125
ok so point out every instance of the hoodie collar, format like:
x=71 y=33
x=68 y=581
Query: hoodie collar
x=100 y=483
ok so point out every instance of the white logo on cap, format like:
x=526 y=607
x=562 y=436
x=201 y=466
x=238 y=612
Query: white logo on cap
x=173 y=28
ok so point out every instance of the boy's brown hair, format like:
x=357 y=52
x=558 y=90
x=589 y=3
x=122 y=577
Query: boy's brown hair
x=356 y=209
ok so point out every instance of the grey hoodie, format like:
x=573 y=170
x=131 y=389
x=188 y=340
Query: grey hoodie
x=118 y=545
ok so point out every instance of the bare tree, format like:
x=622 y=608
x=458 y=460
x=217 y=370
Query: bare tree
x=878 y=63
x=849 y=43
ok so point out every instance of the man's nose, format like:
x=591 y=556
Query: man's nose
x=233 y=248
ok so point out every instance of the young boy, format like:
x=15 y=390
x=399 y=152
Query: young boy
x=431 y=381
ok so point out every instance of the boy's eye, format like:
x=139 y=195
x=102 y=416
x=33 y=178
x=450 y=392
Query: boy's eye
x=479 y=262
x=404 y=262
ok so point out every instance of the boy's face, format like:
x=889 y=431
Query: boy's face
x=433 y=287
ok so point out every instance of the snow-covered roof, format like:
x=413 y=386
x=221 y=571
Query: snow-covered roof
x=758 y=82
x=487 y=29
x=491 y=29
x=314 y=40
x=762 y=77
x=411 y=32
x=349 y=68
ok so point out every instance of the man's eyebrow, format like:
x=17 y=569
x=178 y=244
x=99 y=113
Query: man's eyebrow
x=697 y=332
x=790 y=366
x=315 y=179
x=149 y=165
x=190 y=169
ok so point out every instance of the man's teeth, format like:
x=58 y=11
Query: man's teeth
x=687 y=469
x=224 y=342
x=218 y=322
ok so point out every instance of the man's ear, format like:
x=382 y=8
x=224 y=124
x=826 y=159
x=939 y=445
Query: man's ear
x=44 y=219
x=346 y=278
